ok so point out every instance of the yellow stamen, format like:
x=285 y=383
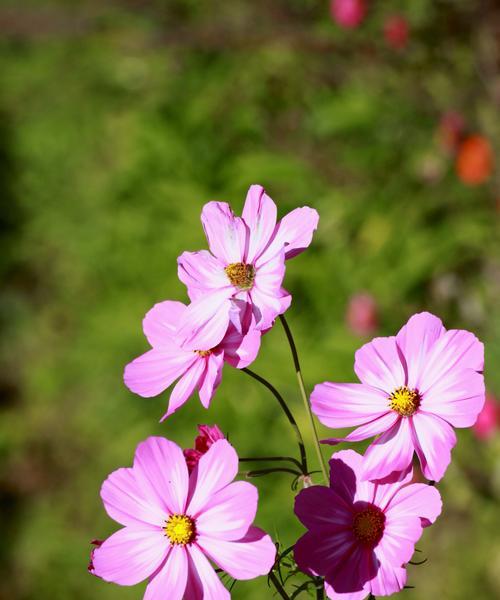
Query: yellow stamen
x=241 y=275
x=368 y=525
x=404 y=401
x=203 y=352
x=180 y=529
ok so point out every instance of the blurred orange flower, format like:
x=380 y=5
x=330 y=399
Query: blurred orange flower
x=474 y=162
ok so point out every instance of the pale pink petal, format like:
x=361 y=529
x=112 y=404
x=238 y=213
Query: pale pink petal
x=361 y=595
x=385 y=490
x=216 y=469
x=126 y=503
x=458 y=397
x=240 y=350
x=230 y=512
x=346 y=468
x=203 y=582
x=170 y=581
x=186 y=386
x=415 y=340
x=417 y=499
x=388 y=580
x=259 y=213
x=434 y=440
x=205 y=321
x=456 y=350
x=391 y=453
x=201 y=273
x=161 y=472
x=226 y=234
x=379 y=365
x=161 y=322
x=294 y=232
x=401 y=533
x=347 y=404
x=251 y=556
x=155 y=370
x=267 y=295
x=212 y=377
x=130 y=555
x=322 y=509
x=378 y=425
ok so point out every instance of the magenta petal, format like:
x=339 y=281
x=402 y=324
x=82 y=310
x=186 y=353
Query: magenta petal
x=347 y=404
x=249 y=557
x=317 y=553
x=353 y=572
x=170 y=581
x=294 y=232
x=161 y=472
x=434 y=440
x=186 y=386
x=203 y=582
x=226 y=234
x=125 y=502
x=378 y=425
x=378 y=364
x=259 y=213
x=201 y=272
x=391 y=453
x=321 y=509
x=161 y=322
x=346 y=469
x=417 y=499
x=212 y=377
x=230 y=512
x=130 y=555
x=216 y=469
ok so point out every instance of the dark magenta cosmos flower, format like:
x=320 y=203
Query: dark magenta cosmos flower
x=415 y=388
x=176 y=523
x=208 y=435
x=244 y=269
x=361 y=534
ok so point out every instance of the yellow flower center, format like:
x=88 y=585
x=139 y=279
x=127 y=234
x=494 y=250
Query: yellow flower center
x=180 y=529
x=203 y=352
x=368 y=525
x=240 y=275
x=404 y=401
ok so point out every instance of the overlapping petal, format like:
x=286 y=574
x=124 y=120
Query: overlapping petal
x=226 y=234
x=434 y=439
x=259 y=214
x=160 y=323
x=379 y=364
x=187 y=384
x=171 y=579
x=201 y=272
x=203 y=582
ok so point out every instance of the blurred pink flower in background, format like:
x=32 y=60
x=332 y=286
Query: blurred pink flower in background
x=175 y=524
x=208 y=435
x=396 y=31
x=362 y=314
x=348 y=13
x=361 y=534
x=488 y=420
x=450 y=129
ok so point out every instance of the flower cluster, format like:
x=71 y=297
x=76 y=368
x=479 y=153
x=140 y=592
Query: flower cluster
x=181 y=511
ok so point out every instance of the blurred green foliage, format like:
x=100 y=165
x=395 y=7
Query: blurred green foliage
x=118 y=121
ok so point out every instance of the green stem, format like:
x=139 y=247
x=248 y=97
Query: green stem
x=272 y=459
x=302 y=388
x=280 y=589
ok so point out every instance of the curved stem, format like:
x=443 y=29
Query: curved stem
x=289 y=416
x=280 y=589
x=259 y=472
x=272 y=459
x=302 y=388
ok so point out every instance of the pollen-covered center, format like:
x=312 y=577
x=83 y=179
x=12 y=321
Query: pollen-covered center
x=180 y=529
x=404 y=401
x=203 y=353
x=368 y=525
x=241 y=275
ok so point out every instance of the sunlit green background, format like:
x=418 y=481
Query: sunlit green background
x=118 y=121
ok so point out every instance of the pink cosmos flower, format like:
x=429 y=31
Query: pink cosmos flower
x=361 y=315
x=488 y=419
x=348 y=13
x=208 y=435
x=175 y=523
x=415 y=387
x=361 y=534
x=244 y=269
x=153 y=372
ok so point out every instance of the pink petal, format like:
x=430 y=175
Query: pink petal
x=457 y=398
x=347 y=404
x=294 y=232
x=247 y=558
x=186 y=386
x=434 y=440
x=388 y=580
x=346 y=468
x=160 y=323
x=130 y=555
x=170 y=581
x=155 y=370
x=240 y=350
x=212 y=377
x=353 y=571
x=125 y=502
x=415 y=340
x=417 y=499
x=385 y=490
x=205 y=321
x=391 y=453
x=378 y=425
x=203 y=582
x=230 y=512
x=201 y=273
x=322 y=509
x=216 y=469
x=226 y=234
x=259 y=213
x=316 y=553
x=401 y=533
x=361 y=595
x=161 y=472
x=266 y=308
x=379 y=365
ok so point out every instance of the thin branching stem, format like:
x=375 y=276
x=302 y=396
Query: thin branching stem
x=272 y=459
x=279 y=588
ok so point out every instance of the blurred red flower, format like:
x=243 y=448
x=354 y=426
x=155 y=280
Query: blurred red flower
x=348 y=13
x=362 y=314
x=396 y=31
x=488 y=419
x=474 y=162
